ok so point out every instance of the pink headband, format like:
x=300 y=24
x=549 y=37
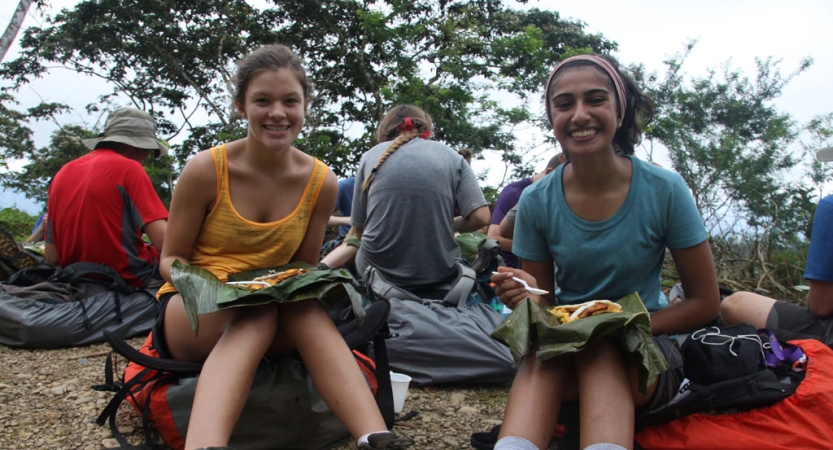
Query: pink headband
x=604 y=65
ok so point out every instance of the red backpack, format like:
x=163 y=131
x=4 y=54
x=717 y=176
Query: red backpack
x=283 y=409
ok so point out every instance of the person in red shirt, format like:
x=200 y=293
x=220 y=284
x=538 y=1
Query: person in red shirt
x=100 y=204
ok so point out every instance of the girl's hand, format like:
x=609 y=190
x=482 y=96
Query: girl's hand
x=511 y=292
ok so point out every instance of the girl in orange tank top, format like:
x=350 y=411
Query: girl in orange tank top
x=254 y=203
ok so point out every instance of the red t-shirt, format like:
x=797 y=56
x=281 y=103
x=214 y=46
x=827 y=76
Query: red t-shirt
x=98 y=205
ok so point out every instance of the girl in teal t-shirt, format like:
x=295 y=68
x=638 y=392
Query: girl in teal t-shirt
x=604 y=220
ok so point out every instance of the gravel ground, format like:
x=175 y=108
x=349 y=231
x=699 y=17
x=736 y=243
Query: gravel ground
x=46 y=402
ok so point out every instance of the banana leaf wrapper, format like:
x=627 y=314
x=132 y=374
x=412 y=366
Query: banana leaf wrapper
x=204 y=293
x=530 y=323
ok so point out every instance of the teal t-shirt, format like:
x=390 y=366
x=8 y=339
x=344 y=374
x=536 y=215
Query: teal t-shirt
x=617 y=256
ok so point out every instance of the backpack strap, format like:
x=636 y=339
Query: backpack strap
x=376 y=315
x=759 y=389
x=160 y=364
x=110 y=411
x=31 y=275
x=775 y=354
x=459 y=293
x=486 y=253
x=381 y=288
x=156 y=371
x=101 y=274
x=384 y=396
x=75 y=272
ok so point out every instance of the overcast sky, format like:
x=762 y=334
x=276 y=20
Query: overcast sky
x=647 y=32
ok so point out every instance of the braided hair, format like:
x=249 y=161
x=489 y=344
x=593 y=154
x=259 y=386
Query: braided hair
x=402 y=123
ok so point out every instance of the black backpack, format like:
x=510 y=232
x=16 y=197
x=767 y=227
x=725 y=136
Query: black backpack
x=729 y=369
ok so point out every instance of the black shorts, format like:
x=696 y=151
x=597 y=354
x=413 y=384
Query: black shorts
x=789 y=321
x=158 y=330
x=669 y=381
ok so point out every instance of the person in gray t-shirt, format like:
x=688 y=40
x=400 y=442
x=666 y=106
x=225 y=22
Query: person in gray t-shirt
x=403 y=203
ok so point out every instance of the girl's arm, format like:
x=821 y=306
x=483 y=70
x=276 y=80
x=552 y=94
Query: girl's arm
x=701 y=305
x=310 y=248
x=820 y=298
x=474 y=221
x=192 y=198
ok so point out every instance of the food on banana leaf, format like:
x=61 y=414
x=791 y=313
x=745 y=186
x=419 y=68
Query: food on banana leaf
x=570 y=313
x=270 y=279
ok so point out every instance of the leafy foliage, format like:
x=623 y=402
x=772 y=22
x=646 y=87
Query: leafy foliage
x=820 y=131
x=731 y=145
x=477 y=66
x=65 y=145
x=17 y=222
x=175 y=59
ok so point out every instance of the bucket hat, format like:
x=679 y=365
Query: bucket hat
x=825 y=154
x=132 y=127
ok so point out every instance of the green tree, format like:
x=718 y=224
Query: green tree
x=15 y=134
x=65 y=145
x=462 y=61
x=820 y=135
x=732 y=146
x=17 y=222
x=736 y=152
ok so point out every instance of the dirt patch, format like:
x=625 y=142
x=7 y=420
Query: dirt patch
x=46 y=402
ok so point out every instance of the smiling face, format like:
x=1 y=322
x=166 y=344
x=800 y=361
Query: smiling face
x=584 y=110
x=275 y=107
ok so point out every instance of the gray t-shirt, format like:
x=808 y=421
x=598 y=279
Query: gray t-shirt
x=407 y=212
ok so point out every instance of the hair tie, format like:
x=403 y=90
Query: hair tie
x=602 y=63
x=425 y=135
x=407 y=125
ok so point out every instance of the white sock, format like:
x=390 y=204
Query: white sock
x=514 y=443
x=363 y=439
x=604 y=447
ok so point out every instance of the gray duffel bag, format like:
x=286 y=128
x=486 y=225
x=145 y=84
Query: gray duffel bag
x=72 y=306
x=443 y=341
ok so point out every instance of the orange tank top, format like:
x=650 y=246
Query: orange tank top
x=228 y=243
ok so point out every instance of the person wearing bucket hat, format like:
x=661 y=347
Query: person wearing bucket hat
x=787 y=320
x=101 y=204
x=131 y=127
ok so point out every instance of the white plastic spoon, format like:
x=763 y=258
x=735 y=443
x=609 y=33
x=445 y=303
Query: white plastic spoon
x=529 y=288
x=261 y=283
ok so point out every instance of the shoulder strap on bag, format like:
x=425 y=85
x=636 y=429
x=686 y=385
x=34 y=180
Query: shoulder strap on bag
x=155 y=370
x=382 y=289
x=384 y=397
x=762 y=388
x=31 y=275
x=486 y=253
x=459 y=293
x=91 y=272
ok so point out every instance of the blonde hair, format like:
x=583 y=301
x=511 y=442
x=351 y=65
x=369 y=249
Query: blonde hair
x=394 y=126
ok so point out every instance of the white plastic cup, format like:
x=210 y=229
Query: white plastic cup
x=399 y=382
